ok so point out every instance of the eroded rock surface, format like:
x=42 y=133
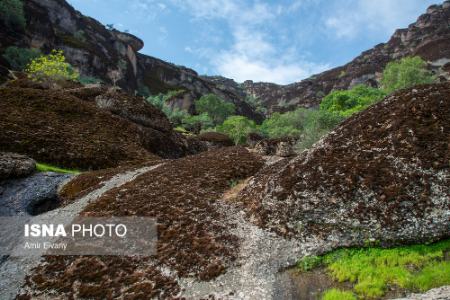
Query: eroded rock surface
x=15 y=165
x=382 y=175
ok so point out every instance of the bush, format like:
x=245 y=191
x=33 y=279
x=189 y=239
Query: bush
x=197 y=123
x=318 y=123
x=215 y=107
x=288 y=124
x=237 y=128
x=11 y=12
x=85 y=80
x=407 y=72
x=346 y=103
x=19 y=58
x=256 y=104
x=176 y=116
x=51 y=68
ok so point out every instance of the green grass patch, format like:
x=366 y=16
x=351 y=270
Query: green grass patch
x=335 y=294
x=48 y=168
x=417 y=268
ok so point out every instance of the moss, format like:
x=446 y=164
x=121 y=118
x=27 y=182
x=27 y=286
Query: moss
x=372 y=270
x=40 y=167
x=335 y=294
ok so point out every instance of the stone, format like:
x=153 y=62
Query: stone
x=15 y=165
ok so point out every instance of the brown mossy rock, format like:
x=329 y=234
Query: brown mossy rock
x=382 y=175
x=87 y=93
x=195 y=238
x=135 y=109
x=55 y=127
x=15 y=165
x=216 y=139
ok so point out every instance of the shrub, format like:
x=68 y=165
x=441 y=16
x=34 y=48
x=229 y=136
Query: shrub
x=318 y=123
x=288 y=124
x=84 y=80
x=215 y=107
x=11 y=12
x=346 y=103
x=51 y=68
x=407 y=72
x=197 y=123
x=237 y=128
x=19 y=58
x=256 y=104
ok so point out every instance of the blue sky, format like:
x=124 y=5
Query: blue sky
x=275 y=41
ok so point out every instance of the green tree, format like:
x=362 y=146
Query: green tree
x=11 y=12
x=217 y=109
x=407 y=72
x=237 y=128
x=256 y=104
x=19 y=58
x=51 y=68
x=284 y=124
x=197 y=123
x=346 y=103
x=317 y=124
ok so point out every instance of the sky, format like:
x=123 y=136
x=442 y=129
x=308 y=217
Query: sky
x=273 y=41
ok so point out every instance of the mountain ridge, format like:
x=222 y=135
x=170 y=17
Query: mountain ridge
x=96 y=51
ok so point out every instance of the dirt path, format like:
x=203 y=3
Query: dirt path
x=14 y=269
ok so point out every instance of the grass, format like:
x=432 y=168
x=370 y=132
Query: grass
x=40 y=167
x=372 y=270
x=335 y=294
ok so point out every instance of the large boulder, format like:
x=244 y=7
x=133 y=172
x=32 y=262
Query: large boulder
x=58 y=128
x=15 y=165
x=134 y=109
x=215 y=139
x=381 y=176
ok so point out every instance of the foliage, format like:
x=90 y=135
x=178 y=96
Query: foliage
x=237 y=128
x=371 y=270
x=215 y=107
x=256 y=104
x=176 y=116
x=335 y=294
x=284 y=124
x=197 y=123
x=11 y=12
x=309 y=262
x=19 y=58
x=348 y=102
x=40 y=167
x=85 y=80
x=317 y=124
x=52 y=67
x=407 y=72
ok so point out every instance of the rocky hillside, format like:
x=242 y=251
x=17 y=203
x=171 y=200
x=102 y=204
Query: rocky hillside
x=86 y=128
x=428 y=37
x=382 y=175
x=96 y=51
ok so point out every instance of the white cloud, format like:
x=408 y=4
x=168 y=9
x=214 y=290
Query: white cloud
x=355 y=17
x=252 y=54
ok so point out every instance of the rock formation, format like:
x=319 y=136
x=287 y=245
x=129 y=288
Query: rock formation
x=15 y=165
x=58 y=128
x=428 y=37
x=97 y=51
x=382 y=175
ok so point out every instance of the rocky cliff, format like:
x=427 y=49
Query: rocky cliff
x=428 y=37
x=97 y=51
